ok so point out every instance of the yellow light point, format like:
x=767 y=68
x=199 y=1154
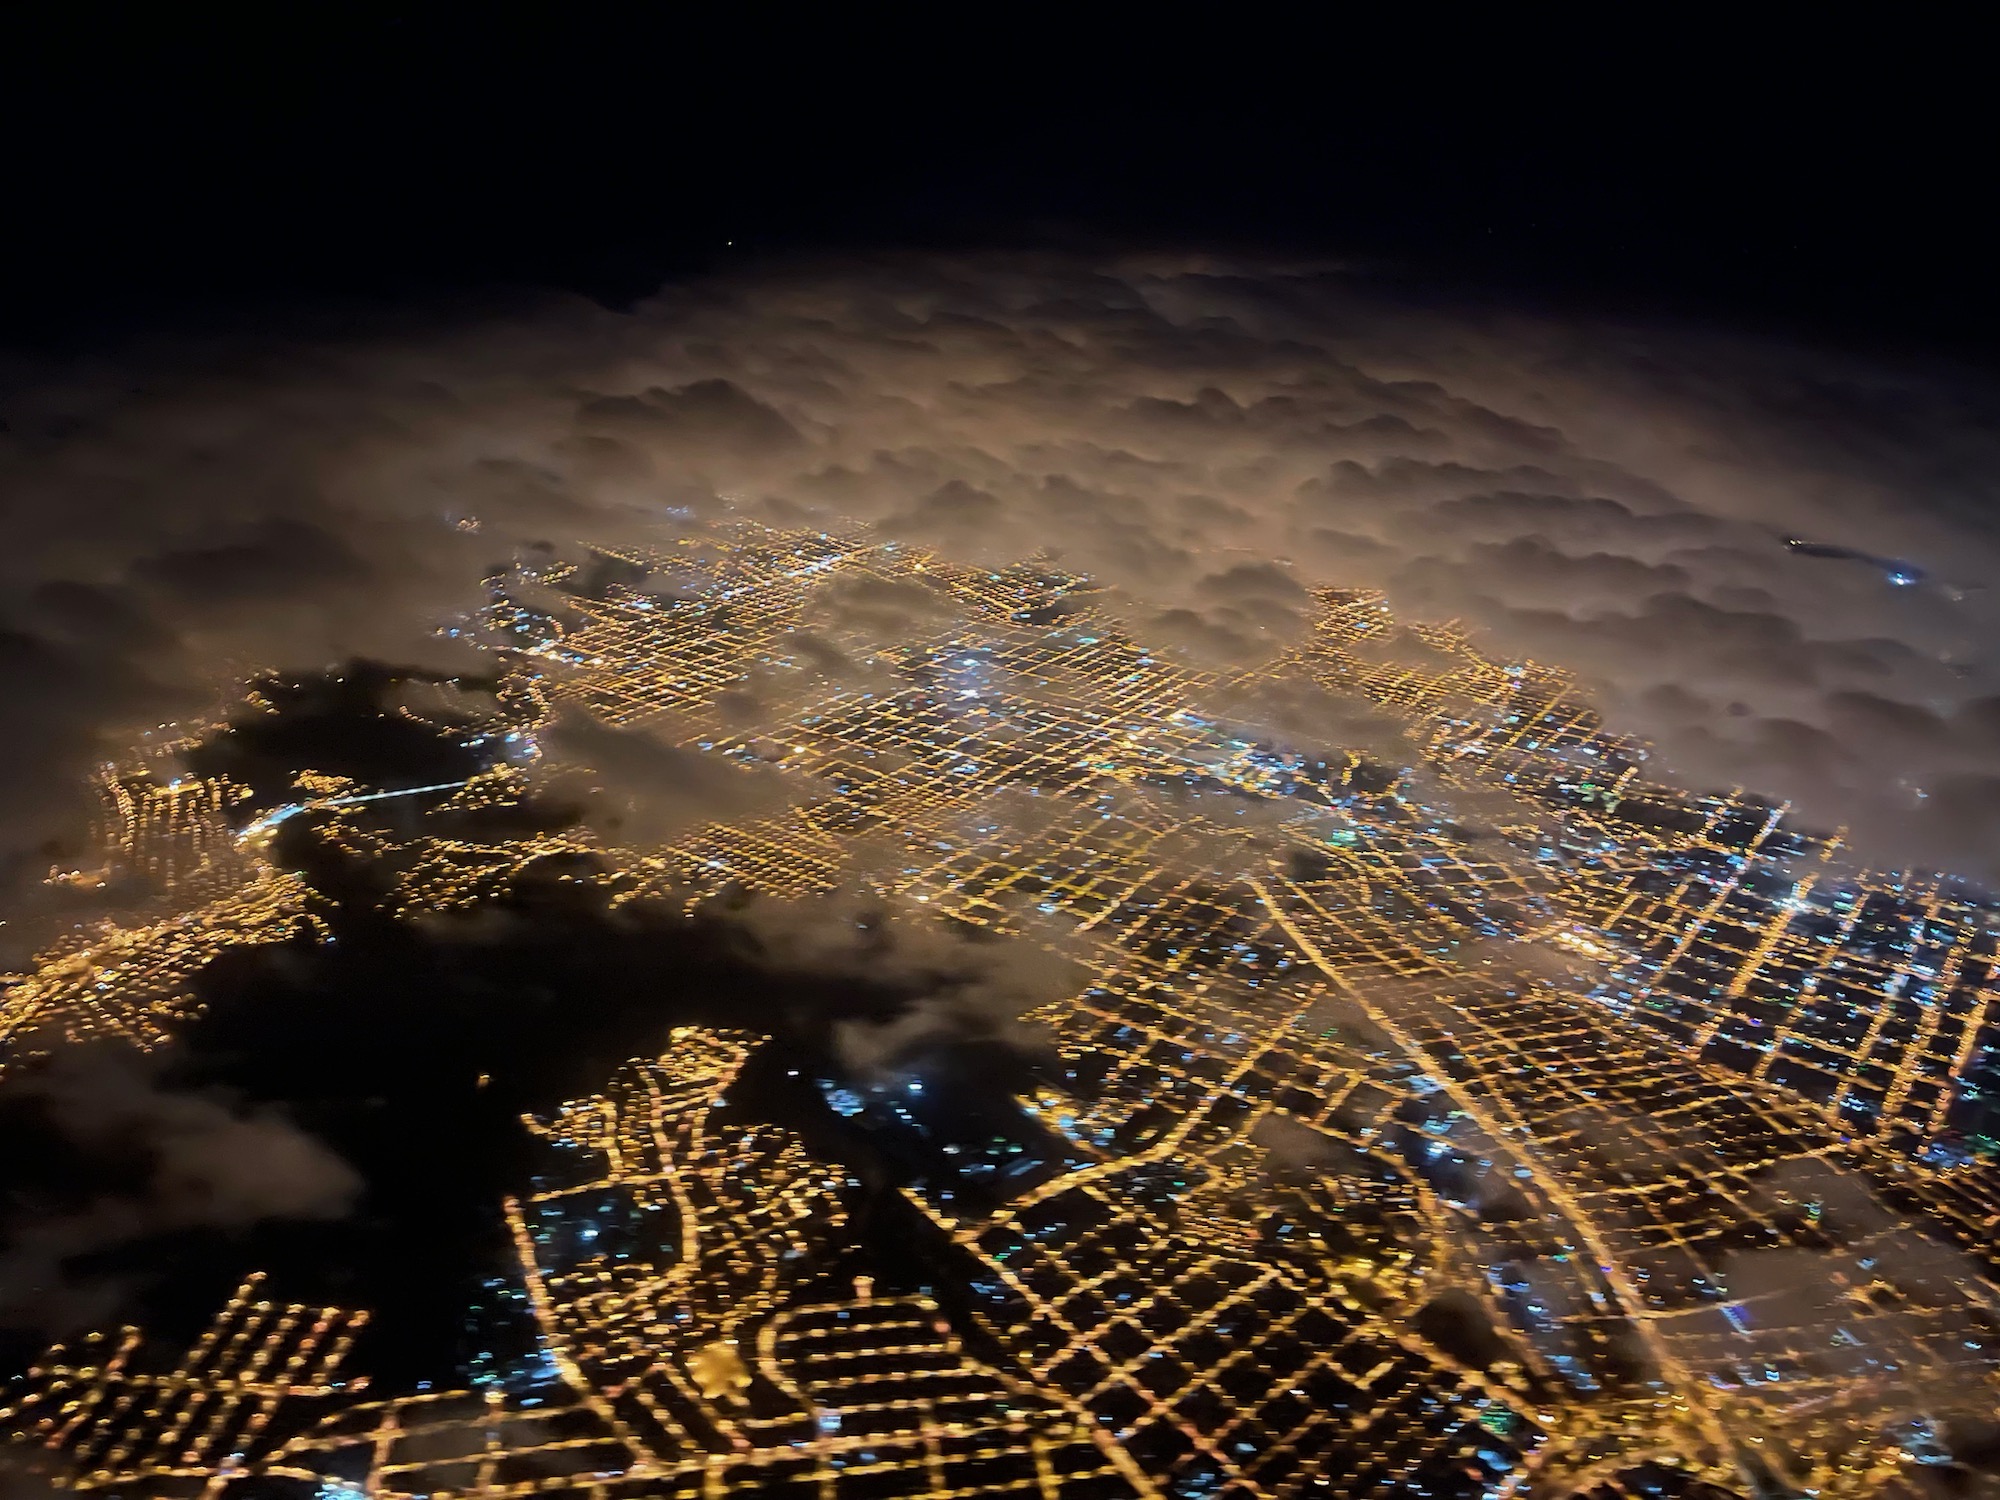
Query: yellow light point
x=719 y=1370
x=1209 y=1021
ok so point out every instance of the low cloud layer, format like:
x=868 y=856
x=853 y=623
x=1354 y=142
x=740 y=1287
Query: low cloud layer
x=640 y=789
x=105 y=1156
x=1208 y=439
x=967 y=984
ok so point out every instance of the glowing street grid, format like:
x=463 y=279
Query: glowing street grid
x=1694 y=1121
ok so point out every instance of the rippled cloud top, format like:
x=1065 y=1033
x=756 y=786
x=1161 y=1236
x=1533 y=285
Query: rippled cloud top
x=1210 y=439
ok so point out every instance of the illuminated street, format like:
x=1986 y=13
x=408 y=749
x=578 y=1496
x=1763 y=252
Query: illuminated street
x=1688 y=1124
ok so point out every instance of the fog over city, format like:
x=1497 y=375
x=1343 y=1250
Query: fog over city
x=1207 y=437
x=1213 y=756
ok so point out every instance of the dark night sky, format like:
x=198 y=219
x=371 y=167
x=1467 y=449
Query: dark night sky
x=175 y=161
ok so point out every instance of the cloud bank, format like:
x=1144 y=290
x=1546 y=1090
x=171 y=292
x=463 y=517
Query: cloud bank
x=1208 y=439
x=106 y=1156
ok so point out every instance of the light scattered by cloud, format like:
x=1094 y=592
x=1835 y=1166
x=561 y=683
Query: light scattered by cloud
x=1208 y=439
x=122 y=1157
x=637 y=788
x=964 y=984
